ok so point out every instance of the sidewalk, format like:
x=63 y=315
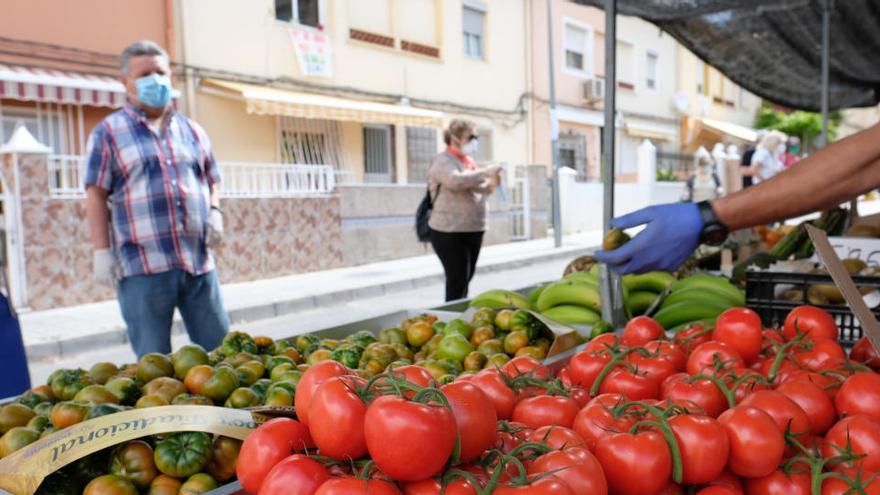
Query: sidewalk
x=67 y=331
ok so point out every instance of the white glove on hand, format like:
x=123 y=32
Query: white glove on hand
x=106 y=271
x=214 y=230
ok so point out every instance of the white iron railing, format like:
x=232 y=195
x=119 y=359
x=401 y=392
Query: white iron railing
x=66 y=176
x=248 y=180
x=274 y=179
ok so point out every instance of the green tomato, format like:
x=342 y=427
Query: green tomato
x=235 y=342
x=435 y=368
x=220 y=384
x=186 y=357
x=475 y=361
x=497 y=360
x=278 y=360
x=402 y=351
x=454 y=347
x=515 y=341
x=392 y=336
x=197 y=484
x=362 y=338
x=347 y=356
x=184 y=454
x=433 y=344
x=419 y=333
x=261 y=386
x=292 y=377
x=318 y=355
x=243 y=397
x=66 y=383
x=457 y=325
x=279 y=370
x=483 y=317
x=502 y=319
x=303 y=342
x=331 y=344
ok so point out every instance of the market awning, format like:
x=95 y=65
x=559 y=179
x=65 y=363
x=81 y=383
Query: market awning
x=54 y=86
x=649 y=130
x=262 y=100
x=730 y=129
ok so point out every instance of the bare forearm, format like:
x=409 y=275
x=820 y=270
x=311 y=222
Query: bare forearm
x=835 y=174
x=98 y=216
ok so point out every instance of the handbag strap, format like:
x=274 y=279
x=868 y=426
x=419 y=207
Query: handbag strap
x=432 y=199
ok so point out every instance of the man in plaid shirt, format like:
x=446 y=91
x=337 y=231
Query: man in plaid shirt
x=156 y=170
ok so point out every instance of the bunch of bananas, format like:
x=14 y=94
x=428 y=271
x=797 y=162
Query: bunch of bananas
x=700 y=297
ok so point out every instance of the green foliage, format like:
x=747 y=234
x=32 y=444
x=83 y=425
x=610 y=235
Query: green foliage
x=666 y=176
x=806 y=125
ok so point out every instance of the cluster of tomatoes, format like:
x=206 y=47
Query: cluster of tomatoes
x=729 y=409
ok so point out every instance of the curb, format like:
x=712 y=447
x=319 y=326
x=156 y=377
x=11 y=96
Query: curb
x=273 y=309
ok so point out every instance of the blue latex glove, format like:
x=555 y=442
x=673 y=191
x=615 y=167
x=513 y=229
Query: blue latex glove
x=671 y=235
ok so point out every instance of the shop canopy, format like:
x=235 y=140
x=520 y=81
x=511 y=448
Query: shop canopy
x=773 y=47
x=64 y=87
x=261 y=100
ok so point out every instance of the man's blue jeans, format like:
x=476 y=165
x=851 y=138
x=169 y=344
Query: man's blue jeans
x=148 y=301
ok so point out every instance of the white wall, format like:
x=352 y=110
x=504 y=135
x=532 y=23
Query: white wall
x=583 y=202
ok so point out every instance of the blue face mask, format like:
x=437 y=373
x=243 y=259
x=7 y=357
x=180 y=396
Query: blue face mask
x=154 y=90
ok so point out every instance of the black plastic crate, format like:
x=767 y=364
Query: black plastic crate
x=761 y=297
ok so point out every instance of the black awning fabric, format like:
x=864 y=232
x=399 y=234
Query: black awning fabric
x=773 y=47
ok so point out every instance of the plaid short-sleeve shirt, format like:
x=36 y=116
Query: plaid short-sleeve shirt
x=159 y=190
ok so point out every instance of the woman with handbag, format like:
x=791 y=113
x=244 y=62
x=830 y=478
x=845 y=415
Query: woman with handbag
x=459 y=189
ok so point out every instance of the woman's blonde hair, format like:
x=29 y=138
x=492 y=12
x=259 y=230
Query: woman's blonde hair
x=458 y=128
x=772 y=140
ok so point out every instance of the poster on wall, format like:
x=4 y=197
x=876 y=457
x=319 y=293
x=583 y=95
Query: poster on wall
x=313 y=51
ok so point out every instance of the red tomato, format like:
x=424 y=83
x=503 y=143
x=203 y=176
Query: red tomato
x=493 y=385
x=635 y=464
x=549 y=485
x=422 y=436
x=829 y=383
x=784 y=411
x=546 y=410
x=702 y=392
x=557 y=437
x=756 y=443
x=603 y=343
x=656 y=368
x=863 y=435
x=859 y=394
x=579 y=395
x=585 y=366
x=864 y=352
x=815 y=322
x=751 y=383
x=310 y=381
x=837 y=486
x=719 y=490
x=432 y=486
x=692 y=336
x=703 y=357
x=633 y=386
x=740 y=328
x=337 y=413
x=779 y=483
x=356 y=486
x=670 y=351
x=814 y=402
x=671 y=488
x=824 y=354
x=296 y=475
x=564 y=377
x=475 y=418
x=641 y=330
x=522 y=365
x=511 y=435
x=267 y=446
x=413 y=374
x=595 y=420
x=772 y=336
x=728 y=479
x=703 y=445
x=576 y=467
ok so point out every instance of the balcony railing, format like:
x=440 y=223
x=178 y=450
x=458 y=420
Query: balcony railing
x=240 y=180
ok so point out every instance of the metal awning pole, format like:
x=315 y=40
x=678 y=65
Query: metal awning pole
x=554 y=133
x=826 y=50
x=610 y=110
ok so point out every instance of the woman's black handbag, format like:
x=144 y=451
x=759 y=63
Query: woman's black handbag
x=423 y=215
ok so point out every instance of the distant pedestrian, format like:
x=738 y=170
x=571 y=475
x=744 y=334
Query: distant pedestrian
x=767 y=160
x=157 y=170
x=459 y=189
x=792 y=152
x=746 y=161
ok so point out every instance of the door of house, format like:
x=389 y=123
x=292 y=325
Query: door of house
x=520 y=201
x=378 y=153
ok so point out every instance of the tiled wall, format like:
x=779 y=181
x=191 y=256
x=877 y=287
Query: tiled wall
x=264 y=237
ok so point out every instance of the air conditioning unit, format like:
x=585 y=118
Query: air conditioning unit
x=594 y=89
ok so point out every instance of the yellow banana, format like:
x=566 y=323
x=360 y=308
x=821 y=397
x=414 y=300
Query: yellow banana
x=571 y=314
x=500 y=298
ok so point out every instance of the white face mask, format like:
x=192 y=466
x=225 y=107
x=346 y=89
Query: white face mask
x=471 y=147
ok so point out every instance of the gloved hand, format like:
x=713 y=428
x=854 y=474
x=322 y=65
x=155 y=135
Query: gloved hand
x=671 y=235
x=214 y=228
x=106 y=270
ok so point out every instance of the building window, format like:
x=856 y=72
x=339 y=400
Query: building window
x=309 y=141
x=377 y=153
x=578 y=47
x=625 y=64
x=421 y=148
x=473 y=23
x=573 y=153
x=651 y=70
x=51 y=126
x=306 y=12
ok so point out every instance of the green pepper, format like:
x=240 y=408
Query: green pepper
x=457 y=325
x=454 y=347
x=523 y=321
x=66 y=383
x=304 y=342
x=392 y=336
x=362 y=338
x=183 y=454
x=348 y=356
x=235 y=342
